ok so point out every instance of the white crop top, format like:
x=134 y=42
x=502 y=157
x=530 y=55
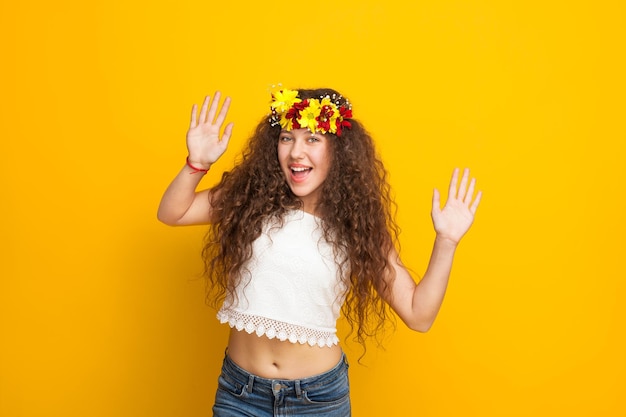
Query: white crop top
x=293 y=290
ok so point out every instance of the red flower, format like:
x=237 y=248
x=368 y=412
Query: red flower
x=323 y=120
x=344 y=114
x=294 y=113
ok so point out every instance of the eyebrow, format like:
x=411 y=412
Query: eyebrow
x=309 y=134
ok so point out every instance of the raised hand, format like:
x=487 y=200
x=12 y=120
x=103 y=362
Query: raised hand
x=457 y=216
x=204 y=142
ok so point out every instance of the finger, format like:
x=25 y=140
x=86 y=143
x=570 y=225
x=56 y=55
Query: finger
x=213 y=108
x=223 y=112
x=463 y=186
x=205 y=105
x=453 y=183
x=228 y=131
x=194 y=110
x=470 y=192
x=476 y=202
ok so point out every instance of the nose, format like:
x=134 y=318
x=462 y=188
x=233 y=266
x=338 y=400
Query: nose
x=297 y=149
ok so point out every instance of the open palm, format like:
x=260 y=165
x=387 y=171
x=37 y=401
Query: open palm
x=457 y=215
x=204 y=141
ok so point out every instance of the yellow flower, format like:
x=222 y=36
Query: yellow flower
x=283 y=100
x=309 y=114
x=285 y=123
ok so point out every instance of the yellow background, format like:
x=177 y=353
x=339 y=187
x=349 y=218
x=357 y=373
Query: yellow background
x=101 y=307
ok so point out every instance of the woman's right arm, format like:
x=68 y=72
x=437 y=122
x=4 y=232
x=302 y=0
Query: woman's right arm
x=181 y=204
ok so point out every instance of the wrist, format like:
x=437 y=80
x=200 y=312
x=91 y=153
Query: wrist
x=446 y=241
x=197 y=167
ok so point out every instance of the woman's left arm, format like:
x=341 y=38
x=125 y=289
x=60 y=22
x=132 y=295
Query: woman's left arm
x=418 y=304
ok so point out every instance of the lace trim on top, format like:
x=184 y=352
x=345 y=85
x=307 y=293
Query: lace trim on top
x=277 y=329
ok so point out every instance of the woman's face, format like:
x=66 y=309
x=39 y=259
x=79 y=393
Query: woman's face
x=305 y=160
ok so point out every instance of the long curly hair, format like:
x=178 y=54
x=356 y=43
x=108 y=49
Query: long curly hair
x=357 y=212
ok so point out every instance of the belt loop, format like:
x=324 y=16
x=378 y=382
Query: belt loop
x=298 y=389
x=250 y=383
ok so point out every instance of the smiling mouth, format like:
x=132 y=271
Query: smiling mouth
x=300 y=172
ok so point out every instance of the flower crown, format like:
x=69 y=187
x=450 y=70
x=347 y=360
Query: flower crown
x=326 y=114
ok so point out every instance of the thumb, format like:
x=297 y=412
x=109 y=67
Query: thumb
x=436 y=202
x=228 y=131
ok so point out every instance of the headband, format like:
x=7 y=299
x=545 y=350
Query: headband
x=325 y=115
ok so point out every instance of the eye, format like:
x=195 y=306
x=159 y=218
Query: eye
x=284 y=138
x=313 y=139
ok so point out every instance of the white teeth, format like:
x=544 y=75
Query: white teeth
x=299 y=169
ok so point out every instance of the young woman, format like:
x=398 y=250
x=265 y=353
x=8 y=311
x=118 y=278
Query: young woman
x=299 y=231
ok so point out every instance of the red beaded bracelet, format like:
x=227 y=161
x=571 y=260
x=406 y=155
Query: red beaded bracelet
x=195 y=170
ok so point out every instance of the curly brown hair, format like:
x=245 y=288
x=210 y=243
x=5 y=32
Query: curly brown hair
x=357 y=212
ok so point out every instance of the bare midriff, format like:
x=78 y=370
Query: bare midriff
x=273 y=359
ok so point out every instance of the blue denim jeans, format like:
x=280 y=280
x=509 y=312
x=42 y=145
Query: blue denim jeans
x=241 y=394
